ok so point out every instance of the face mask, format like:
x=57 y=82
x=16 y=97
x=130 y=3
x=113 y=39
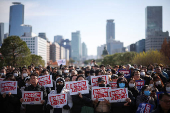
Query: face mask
x=147 y=93
x=66 y=71
x=101 y=85
x=59 y=88
x=25 y=75
x=27 y=84
x=131 y=85
x=168 y=89
x=151 y=85
x=121 y=85
x=15 y=74
x=142 y=73
x=164 y=69
x=158 y=83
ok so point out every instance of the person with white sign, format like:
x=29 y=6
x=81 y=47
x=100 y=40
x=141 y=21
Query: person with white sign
x=123 y=107
x=60 y=89
x=38 y=108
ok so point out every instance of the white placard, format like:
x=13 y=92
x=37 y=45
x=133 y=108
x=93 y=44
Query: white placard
x=67 y=85
x=101 y=93
x=61 y=61
x=45 y=81
x=32 y=97
x=8 y=86
x=94 y=79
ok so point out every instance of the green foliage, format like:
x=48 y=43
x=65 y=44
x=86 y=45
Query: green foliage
x=15 y=51
x=71 y=61
x=150 y=57
x=119 y=58
x=37 y=60
x=85 y=62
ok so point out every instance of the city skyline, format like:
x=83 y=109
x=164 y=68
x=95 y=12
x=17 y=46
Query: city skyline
x=89 y=18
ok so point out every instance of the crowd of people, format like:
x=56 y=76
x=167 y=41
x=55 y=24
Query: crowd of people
x=156 y=77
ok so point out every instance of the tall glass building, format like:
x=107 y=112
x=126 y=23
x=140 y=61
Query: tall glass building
x=140 y=46
x=110 y=34
x=16 y=19
x=76 y=46
x=1 y=33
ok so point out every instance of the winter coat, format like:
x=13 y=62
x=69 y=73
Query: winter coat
x=159 y=110
x=119 y=107
x=69 y=100
x=38 y=108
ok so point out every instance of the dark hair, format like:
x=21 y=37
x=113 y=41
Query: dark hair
x=120 y=74
x=11 y=77
x=163 y=94
x=144 y=87
x=126 y=84
x=80 y=76
x=33 y=74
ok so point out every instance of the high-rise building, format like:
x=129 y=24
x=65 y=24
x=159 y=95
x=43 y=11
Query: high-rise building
x=140 y=46
x=58 y=39
x=115 y=46
x=43 y=35
x=100 y=51
x=84 y=51
x=66 y=44
x=76 y=46
x=54 y=51
x=133 y=47
x=154 y=34
x=48 y=50
x=110 y=33
x=1 y=33
x=6 y=35
x=37 y=46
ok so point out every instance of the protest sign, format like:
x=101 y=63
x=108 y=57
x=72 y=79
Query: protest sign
x=1 y=79
x=100 y=93
x=127 y=73
x=144 y=108
x=32 y=97
x=61 y=61
x=67 y=85
x=113 y=85
x=79 y=86
x=139 y=84
x=8 y=86
x=94 y=79
x=118 y=95
x=57 y=100
x=45 y=81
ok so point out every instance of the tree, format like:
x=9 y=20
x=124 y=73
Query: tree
x=165 y=48
x=37 y=60
x=150 y=57
x=71 y=61
x=14 y=51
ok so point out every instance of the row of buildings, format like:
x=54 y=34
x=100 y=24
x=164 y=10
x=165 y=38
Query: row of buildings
x=154 y=35
x=39 y=44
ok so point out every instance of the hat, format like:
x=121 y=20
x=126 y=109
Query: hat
x=131 y=67
x=108 y=69
x=59 y=73
x=101 y=79
x=59 y=79
x=113 y=76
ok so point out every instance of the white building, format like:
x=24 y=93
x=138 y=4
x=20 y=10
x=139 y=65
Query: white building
x=67 y=54
x=37 y=46
x=62 y=53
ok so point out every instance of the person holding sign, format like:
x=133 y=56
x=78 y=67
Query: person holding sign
x=31 y=108
x=145 y=97
x=60 y=89
x=123 y=107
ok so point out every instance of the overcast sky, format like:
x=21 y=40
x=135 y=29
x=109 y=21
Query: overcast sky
x=61 y=17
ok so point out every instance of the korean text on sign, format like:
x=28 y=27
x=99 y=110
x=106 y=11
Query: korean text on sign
x=79 y=86
x=32 y=97
x=57 y=100
x=94 y=79
x=45 y=80
x=118 y=95
x=8 y=86
x=144 y=108
x=127 y=73
x=139 y=84
x=100 y=92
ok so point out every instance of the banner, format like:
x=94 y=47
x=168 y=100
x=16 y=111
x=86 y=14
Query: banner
x=79 y=86
x=8 y=86
x=57 y=100
x=144 y=108
x=94 y=79
x=32 y=97
x=45 y=81
x=118 y=95
x=113 y=85
x=61 y=61
x=100 y=93
x=127 y=73
x=67 y=85
x=139 y=84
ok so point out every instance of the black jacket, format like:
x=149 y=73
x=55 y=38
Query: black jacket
x=159 y=110
x=36 y=108
x=120 y=108
x=78 y=102
x=11 y=104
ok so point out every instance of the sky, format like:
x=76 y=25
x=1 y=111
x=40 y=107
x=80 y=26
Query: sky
x=62 y=17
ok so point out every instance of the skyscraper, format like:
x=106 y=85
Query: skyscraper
x=43 y=35
x=84 y=51
x=76 y=46
x=58 y=39
x=154 y=34
x=16 y=19
x=1 y=33
x=110 y=33
x=140 y=46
